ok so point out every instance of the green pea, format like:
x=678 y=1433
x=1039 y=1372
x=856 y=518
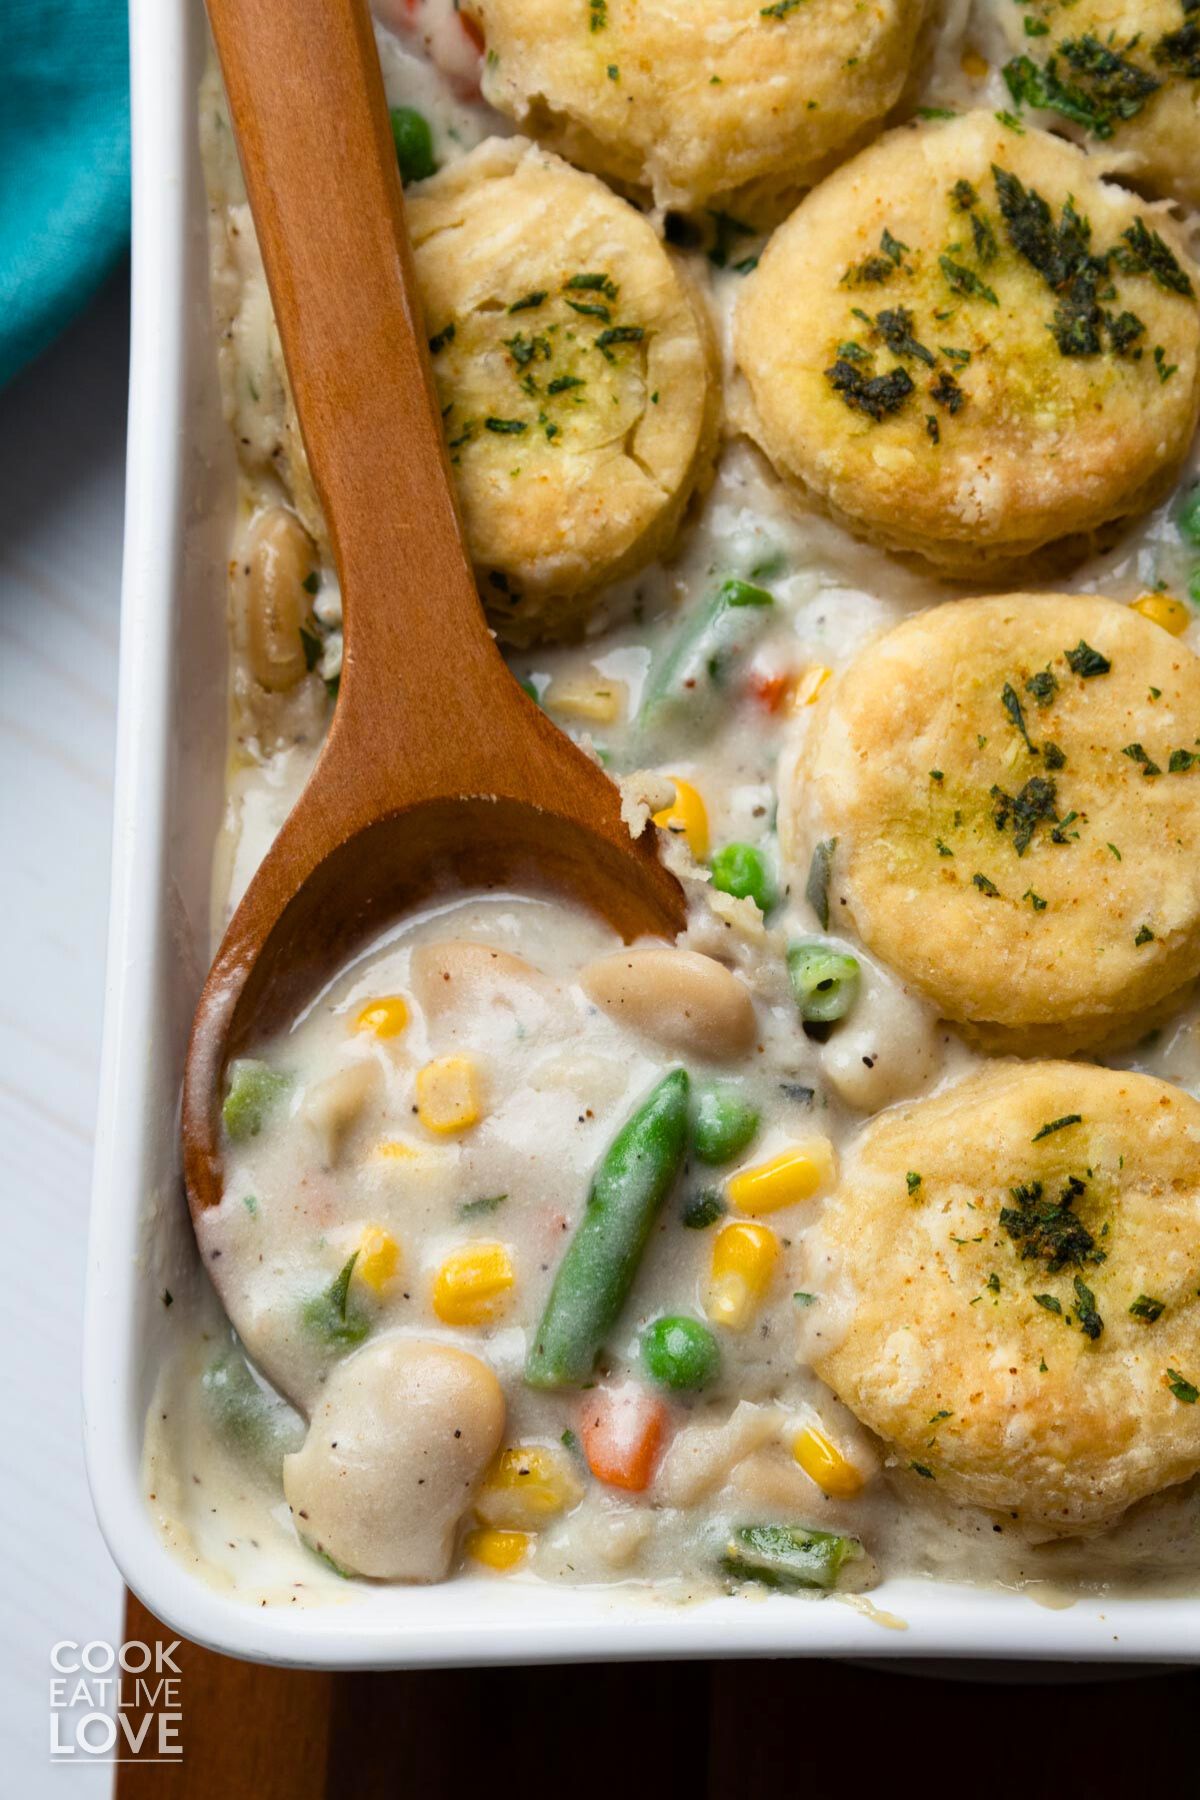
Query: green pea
x=723 y=1123
x=824 y=981
x=254 y=1090
x=680 y=1354
x=414 y=144
x=741 y=870
x=1189 y=518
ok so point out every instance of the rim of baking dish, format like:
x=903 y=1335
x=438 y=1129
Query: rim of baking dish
x=472 y=1620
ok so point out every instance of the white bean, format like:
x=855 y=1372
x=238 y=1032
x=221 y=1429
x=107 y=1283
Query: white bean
x=678 y=997
x=395 y=1451
x=278 y=558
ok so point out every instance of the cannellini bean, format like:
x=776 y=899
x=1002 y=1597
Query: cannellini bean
x=395 y=1451
x=277 y=560
x=458 y=975
x=333 y=1106
x=678 y=997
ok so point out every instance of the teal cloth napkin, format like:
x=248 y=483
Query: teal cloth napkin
x=64 y=164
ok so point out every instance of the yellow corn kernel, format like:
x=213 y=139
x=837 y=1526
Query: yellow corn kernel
x=526 y=1485
x=743 y=1261
x=448 y=1095
x=687 y=817
x=824 y=1463
x=591 y=697
x=378 y=1258
x=974 y=66
x=386 y=1017
x=395 y=1150
x=471 y=1284
x=1162 y=610
x=809 y=686
x=794 y=1175
x=501 y=1550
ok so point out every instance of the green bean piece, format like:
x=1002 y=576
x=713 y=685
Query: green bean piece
x=1189 y=518
x=597 y=1271
x=250 y=1419
x=330 y=1316
x=788 y=1556
x=684 y=692
x=723 y=1123
x=414 y=144
x=254 y=1090
x=825 y=982
x=680 y=1354
x=741 y=870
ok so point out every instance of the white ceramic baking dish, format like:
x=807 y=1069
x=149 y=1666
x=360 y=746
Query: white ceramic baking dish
x=170 y=770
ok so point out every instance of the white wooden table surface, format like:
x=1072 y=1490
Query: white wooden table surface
x=62 y=436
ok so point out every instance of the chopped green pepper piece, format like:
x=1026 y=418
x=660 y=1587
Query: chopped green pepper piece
x=254 y=1089
x=329 y=1315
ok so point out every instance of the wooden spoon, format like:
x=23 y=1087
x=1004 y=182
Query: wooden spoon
x=438 y=770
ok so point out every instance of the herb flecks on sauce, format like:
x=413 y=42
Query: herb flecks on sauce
x=1050 y=1231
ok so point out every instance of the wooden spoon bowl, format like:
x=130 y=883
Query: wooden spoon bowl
x=438 y=772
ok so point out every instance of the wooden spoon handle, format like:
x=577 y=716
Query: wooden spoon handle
x=310 y=116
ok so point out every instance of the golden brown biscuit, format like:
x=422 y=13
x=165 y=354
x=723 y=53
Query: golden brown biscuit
x=1125 y=74
x=1010 y=1276
x=729 y=101
x=968 y=346
x=1014 y=787
x=575 y=377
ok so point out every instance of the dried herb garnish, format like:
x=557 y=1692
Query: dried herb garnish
x=1056 y=1125
x=986 y=886
x=1011 y=703
x=912 y=1181
x=1054 y=756
x=1050 y=1303
x=895 y=328
x=441 y=338
x=620 y=334
x=1099 y=88
x=561 y=383
x=1034 y=805
x=1181 y=761
x=506 y=427
x=1086 y=662
x=525 y=350
x=528 y=300
x=875 y=269
x=1147 y=1308
x=1182 y=1388
x=1090 y=1322
x=1179 y=51
x=1149 y=255
x=1049 y=1229
x=946 y=392
x=1043 y=686
x=875 y=395
x=595 y=283
x=1144 y=936
x=966 y=282
x=1136 y=754
x=1035 y=900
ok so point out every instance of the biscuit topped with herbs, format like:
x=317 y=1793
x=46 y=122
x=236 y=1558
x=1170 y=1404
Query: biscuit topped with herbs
x=1007 y=1278
x=1124 y=74
x=1012 y=786
x=733 y=103
x=968 y=346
